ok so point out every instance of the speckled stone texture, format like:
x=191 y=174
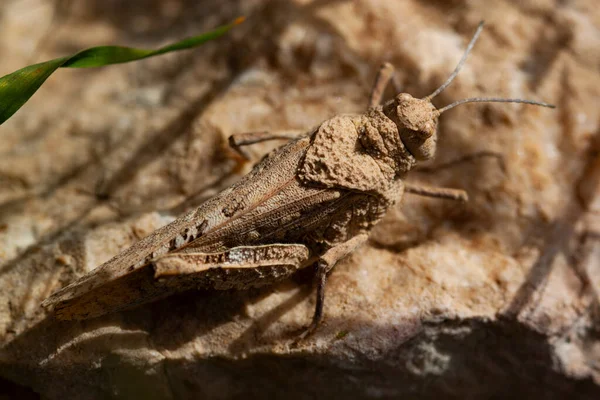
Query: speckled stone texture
x=496 y=298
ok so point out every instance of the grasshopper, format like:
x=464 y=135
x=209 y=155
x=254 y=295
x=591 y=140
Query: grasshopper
x=310 y=202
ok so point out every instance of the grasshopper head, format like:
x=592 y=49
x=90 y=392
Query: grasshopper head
x=417 y=121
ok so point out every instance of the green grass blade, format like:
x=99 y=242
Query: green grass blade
x=18 y=87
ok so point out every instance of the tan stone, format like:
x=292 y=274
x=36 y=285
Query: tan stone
x=495 y=298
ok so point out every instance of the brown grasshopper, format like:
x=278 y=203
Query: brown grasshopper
x=310 y=202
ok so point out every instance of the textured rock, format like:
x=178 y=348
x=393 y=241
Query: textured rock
x=495 y=298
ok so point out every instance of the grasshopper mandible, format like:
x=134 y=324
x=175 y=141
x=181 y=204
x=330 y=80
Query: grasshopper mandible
x=310 y=202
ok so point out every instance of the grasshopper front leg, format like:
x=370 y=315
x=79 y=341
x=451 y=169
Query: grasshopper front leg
x=464 y=159
x=385 y=74
x=238 y=140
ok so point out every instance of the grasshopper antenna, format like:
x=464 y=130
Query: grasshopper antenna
x=476 y=99
x=493 y=100
x=460 y=64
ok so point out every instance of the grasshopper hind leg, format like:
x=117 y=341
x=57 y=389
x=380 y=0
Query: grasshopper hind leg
x=320 y=281
x=251 y=266
x=326 y=263
x=239 y=268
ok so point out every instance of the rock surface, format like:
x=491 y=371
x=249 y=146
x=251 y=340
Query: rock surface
x=495 y=298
